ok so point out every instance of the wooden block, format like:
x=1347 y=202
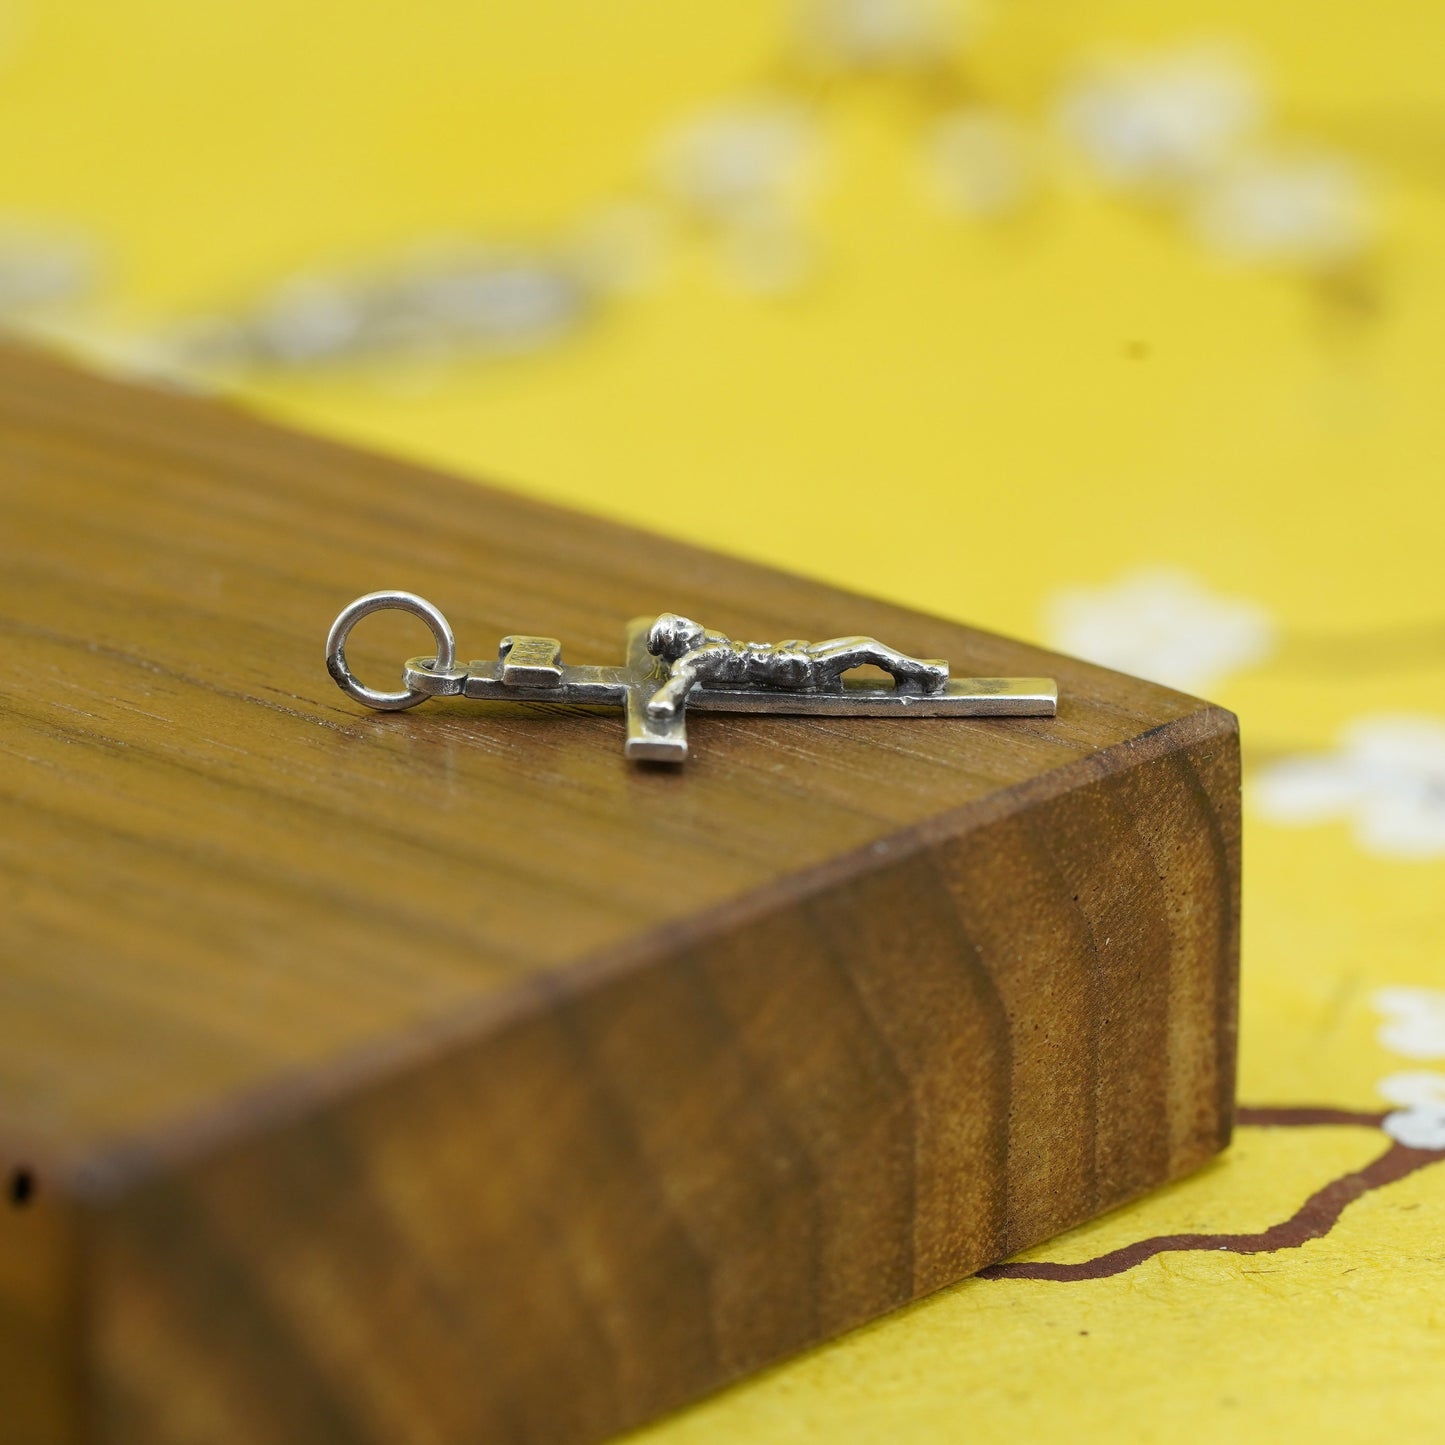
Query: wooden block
x=440 y=1076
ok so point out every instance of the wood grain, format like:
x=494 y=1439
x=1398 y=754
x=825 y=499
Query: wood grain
x=440 y=1077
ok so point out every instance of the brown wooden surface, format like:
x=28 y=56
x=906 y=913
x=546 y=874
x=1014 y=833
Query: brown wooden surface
x=440 y=1077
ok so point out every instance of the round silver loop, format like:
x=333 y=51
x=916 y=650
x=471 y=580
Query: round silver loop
x=346 y=680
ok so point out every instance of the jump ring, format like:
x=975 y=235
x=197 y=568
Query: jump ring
x=336 y=663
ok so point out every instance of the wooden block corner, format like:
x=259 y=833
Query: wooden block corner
x=440 y=1076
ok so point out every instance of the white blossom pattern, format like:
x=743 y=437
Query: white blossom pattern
x=1299 y=210
x=442 y=299
x=1415 y=1027
x=878 y=34
x=1414 y=1021
x=746 y=172
x=1188 y=126
x=738 y=158
x=1162 y=120
x=1160 y=623
x=41 y=268
x=1184 y=129
x=1419 y=1122
x=1387 y=777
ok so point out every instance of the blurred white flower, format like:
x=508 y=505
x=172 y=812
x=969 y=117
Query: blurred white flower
x=42 y=268
x=739 y=159
x=747 y=172
x=500 y=301
x=1414 y=1027
x=445 y=297
x=1387 y=776
x=1161 y=624
x=1295 y=210
x=1163 y=119
x=979 y=162
x=870 y=34
x=1414 y=1021
x=1419 y=1122
x=309 y=319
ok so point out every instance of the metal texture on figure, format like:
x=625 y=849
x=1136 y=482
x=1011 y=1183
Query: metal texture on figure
x=675 y=666
x=700 y=657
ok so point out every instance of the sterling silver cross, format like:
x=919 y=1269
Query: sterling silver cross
x=674 y=664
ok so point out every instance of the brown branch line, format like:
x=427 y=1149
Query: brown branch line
x=1312 y=1220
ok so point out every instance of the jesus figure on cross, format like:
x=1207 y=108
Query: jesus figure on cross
x=700 y=657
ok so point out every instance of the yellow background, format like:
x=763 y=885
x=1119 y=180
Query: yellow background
x=1047 y=401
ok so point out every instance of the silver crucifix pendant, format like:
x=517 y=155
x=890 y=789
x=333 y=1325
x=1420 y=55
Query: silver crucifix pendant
x=674 y=664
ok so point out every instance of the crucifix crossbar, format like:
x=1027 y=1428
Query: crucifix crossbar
x=675 y=666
